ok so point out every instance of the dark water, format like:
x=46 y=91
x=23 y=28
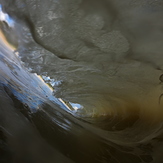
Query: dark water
x=80 y=81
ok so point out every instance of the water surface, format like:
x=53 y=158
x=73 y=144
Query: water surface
x=80 y=81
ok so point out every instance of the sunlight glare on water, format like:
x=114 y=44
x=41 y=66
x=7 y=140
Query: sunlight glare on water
x=5 y=17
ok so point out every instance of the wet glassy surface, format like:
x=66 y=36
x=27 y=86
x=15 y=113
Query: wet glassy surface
x=81 y=81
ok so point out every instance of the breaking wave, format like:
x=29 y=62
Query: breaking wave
x=81 y=81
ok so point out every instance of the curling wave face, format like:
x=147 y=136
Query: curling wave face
x=86 y=75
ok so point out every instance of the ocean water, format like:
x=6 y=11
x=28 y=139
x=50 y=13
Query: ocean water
x=81 y=81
